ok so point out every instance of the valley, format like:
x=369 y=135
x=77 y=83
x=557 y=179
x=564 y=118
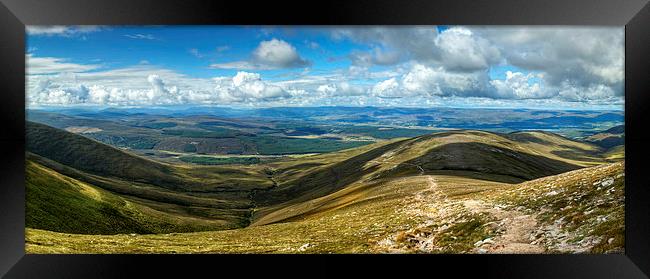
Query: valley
x=323 y=181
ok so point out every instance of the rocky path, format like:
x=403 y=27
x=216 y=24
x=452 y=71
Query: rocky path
x=515 y=229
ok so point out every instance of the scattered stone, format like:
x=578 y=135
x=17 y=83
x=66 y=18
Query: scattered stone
x=488 y=241
x=304 y=247
x=607 y=182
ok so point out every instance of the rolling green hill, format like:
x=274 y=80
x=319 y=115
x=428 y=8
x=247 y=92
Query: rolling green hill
x=365 y=199
x=94 y=157
x=420 y=214
x=216 y=194
x=59 y=203
x=609 y=138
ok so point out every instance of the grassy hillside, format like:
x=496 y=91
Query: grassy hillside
x=511 y=158
x=91 y=156
x=609 y=138
x=442 y=192
x=213 y=193
x=418 y=214
x=59 y=203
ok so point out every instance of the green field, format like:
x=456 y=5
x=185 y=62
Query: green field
x=280 y=145
x=205 y=160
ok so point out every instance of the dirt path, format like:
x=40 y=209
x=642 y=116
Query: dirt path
x=516 y=228
x=513 y=227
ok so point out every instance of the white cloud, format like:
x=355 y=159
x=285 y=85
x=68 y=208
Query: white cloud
x=141 y=36
x=375 y=57
x=246 y=86
x=461 y=50
x=51 y=65
x=455 y=49
x=343 y=88
x=196 y=53
x=519 y=86
x=60 y=30
x=222 y=48
x=272 y=54
x=425 y=80
x=312 y=44
x=241 y=65
x=583 y=56
x=387 y=88
x=148 y=85
x=419 y=65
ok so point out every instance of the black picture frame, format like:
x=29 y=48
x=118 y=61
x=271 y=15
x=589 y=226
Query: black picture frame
x=15 y=14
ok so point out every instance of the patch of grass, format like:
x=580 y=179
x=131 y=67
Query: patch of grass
x=214 y=132
x=59 y=203
x=133 y=142
x=188 y=147
x=461 y=236
x=268 y=145
x=158 y=125
x=383 y=132
x=205 y=160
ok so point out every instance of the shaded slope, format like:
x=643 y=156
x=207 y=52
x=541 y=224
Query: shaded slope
x=59 y=203
x=407 y=213
x=472 y=154
x=484 y=158
x=216 y=194
x=609 y=138
x=91 y=156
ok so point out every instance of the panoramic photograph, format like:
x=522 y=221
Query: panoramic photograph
x=324 y=140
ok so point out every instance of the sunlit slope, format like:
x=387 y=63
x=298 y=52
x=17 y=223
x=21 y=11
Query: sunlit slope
x=438 y=213
x=91 y=156
x=99 y=159
x=504 y=158
x=221 y=194
x=381 y=175
x=59 y=203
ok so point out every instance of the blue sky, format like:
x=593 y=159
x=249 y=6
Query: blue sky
x=262 y=66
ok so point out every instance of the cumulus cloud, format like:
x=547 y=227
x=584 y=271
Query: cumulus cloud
x=272 y=54
x=419 y=66
x=425 y=80
x=582 y=56
x=147 y=85
x=456 y=49
x=375 y=57
x=460 y=50
x=519 y=86
x=341 y=89
x=415 y=42
x=387 y=88
x=578 y=64
x=245 y=86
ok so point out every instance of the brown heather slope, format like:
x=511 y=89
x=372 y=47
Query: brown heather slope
x=215 y=194
x=433 y=193
x=482 y=155
x=575 y=212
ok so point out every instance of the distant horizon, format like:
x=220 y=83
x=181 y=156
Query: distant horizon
x=189 y=106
